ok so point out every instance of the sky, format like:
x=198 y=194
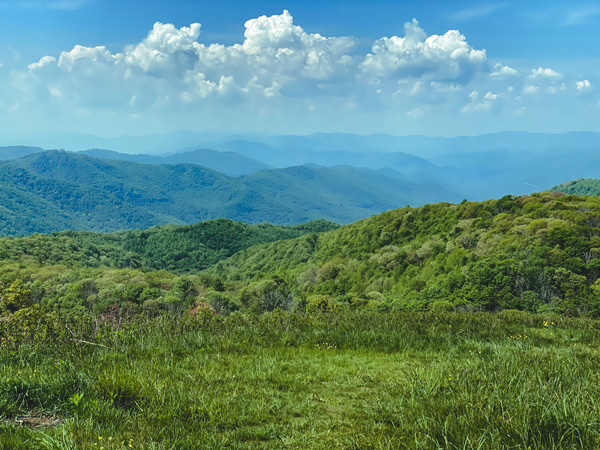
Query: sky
x=434 y=68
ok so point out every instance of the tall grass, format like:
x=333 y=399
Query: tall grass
x=280 y=380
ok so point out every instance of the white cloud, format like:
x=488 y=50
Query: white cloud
x=88 y=57
x=45 y=60
x=486 y=103
x=530 y=89
x=165 y=50
x=442 y=58
x=584 y=87
x=280 y=67
x=545 y=73
x=502 y=72
x=275 y=55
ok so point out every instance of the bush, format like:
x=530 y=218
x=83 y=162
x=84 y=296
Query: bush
x=442 y=306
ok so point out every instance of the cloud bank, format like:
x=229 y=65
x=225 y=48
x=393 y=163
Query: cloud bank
x=281 y=70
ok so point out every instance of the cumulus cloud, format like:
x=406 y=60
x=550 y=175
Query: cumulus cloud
x=502 y=72
x=274 y=55
x=480 y=105
x=279 y=66
x=165 y=50
x=42 y=62
x=446 y=57
x=584 y=87
x=545 y=73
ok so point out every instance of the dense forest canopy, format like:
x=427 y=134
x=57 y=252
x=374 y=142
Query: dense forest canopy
x=535 y=253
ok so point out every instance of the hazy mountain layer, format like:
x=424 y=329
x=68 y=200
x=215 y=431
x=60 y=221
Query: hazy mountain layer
x=17 y=151
x=422 y=146
x=57 y=190
x=229 y=163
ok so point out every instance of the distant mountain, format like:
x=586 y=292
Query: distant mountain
x=475 y=168
x=582 y=186
x=57 y=190
x=295 y=156
x=230 y=163
x=479 y=177
x=421 y=146
x=17 y=151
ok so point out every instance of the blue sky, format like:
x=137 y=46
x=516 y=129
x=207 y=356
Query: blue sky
x=109 y=67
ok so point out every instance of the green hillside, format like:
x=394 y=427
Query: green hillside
x=175 y=248
x=582 y=186
x=536 y=253
x=56 y=190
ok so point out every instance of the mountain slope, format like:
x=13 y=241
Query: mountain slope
x=537 y=253
x=108 y=195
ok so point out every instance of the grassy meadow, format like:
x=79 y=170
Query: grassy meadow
x=352 y=380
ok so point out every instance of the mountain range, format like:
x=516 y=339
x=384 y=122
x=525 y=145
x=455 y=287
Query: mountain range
x=280 y=179
x=475 y=168
x=57 y=190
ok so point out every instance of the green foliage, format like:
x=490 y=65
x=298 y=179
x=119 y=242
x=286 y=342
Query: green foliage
x=531 y=253
x=534 y=253
x=441 y=306
x=15 y=297
x=174 y=248
x=581 y=186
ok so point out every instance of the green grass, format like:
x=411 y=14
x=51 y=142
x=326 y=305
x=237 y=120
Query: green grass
x=352 y=381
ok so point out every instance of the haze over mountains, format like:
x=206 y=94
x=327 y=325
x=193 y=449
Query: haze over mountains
x=279 y=179
x=423 y=146
x=56 y=190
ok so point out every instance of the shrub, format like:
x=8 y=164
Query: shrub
x=441 y=306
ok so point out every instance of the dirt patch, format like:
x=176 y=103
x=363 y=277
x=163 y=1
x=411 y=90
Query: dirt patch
x=35 y=421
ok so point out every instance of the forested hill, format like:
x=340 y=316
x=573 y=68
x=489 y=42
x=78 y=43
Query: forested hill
x=538 y=252
x=176 y=248
x=57 y=190
x=581 y=186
